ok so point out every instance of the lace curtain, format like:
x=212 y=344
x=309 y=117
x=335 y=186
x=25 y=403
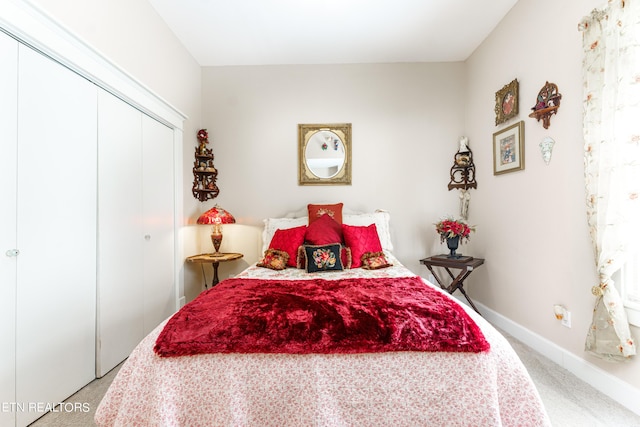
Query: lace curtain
x=611 y=69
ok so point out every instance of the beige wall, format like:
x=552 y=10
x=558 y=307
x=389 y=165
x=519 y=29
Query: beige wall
x=406 y=122
x=532 y=224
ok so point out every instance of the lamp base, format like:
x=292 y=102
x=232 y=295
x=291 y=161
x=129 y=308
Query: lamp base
x=216 y=239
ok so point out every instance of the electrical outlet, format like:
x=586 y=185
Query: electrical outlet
x=566 y=319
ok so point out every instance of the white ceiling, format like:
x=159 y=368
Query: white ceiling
x=258 y=32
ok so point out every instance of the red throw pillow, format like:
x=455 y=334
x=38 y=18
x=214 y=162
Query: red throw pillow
x=289 y=240
x=334 y=211
x=361 y=240
x=324 y=231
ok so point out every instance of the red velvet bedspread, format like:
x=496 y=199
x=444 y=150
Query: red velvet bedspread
x=320 y=316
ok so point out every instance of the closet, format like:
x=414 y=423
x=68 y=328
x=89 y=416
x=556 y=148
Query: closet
x=88 y=208
x=135 y=228
x=48 y=230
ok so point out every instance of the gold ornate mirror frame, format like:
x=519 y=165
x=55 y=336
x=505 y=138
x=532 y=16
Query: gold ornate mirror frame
x=324 y=154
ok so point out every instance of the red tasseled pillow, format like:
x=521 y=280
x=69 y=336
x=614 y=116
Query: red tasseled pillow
x=274 y=259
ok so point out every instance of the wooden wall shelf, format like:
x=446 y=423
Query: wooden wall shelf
x=547 y=104
x=205 y=176
x=463 y=172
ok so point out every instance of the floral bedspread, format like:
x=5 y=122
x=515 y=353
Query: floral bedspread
x=384 y=389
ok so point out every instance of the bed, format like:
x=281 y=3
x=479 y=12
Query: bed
x=192 y=377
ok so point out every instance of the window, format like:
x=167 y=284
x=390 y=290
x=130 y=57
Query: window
x=630 y=288
x=611 y=72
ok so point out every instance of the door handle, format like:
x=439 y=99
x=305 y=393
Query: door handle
x=12 y=252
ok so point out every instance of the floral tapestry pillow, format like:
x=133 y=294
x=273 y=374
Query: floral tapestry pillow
x=374 y=261
x=289 y=240
x=345 y=257
x=274 y=259
x=361 y=240
x=334 y=211
x=323 y=258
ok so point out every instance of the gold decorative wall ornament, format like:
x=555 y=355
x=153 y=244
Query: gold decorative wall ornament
x=507 y=102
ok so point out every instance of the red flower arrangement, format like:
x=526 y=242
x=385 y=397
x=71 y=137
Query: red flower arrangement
x=203 y=135
x=448 y=228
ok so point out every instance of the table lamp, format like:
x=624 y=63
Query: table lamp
x=216 y=216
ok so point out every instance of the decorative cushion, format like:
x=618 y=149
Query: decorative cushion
x=289 y=240
x=374 y=261
x=360 y=240
x=323 y=258
x=345 y=257
x=323 y=231
x=334 y=211
x=273 y=224
x=274 y=259
x=380 y=218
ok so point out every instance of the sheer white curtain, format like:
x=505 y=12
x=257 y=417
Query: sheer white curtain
x=611 y=69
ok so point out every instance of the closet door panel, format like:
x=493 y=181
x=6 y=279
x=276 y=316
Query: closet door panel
x=56 y=229
x=158 y=208
x=8 y=170
x=120 y=233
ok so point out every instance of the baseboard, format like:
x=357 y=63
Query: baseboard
x=620 y=391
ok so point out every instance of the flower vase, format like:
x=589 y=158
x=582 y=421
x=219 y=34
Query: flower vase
x=452 y=244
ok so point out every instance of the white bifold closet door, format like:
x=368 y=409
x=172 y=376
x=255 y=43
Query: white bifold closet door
x=135 y=229
x=47 y=227
x=120 y=238
x=8 y=188
x=158 y=203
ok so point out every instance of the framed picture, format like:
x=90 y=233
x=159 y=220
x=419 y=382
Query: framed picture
x=508 y=149
x=507 y=102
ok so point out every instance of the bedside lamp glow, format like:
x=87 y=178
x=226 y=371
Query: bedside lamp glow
x=216 y=216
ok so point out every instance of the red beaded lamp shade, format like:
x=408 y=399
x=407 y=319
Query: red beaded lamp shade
x=216 y=216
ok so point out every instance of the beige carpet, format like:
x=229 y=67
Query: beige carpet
x=92 y=394
x=569 y=401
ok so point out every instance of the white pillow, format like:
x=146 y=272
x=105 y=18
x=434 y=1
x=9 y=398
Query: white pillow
x=273 y=224
x=380 y=218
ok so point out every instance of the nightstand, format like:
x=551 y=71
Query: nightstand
x=466 y=265
x=214 y=259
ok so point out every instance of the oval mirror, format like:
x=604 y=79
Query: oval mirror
x=324 y=154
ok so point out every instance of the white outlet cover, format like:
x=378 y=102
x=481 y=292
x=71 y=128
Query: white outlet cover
x=566 y=320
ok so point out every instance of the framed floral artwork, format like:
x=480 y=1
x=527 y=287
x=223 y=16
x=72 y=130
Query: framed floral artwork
x=508 y=149
x=507 y=102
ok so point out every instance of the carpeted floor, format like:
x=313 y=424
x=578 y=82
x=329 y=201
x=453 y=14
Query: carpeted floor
x=570 y=402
